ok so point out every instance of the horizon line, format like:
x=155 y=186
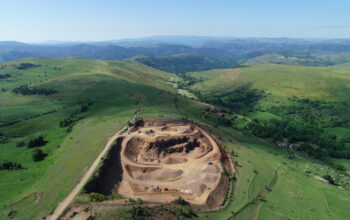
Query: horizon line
x=169 y=36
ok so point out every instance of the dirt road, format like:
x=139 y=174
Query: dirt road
x=207 y=112
x=65 y=203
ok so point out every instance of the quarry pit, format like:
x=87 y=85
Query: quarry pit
x=160 y=160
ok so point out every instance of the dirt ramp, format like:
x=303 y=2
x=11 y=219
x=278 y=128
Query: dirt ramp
x=149 y=173
x=167 y=174
x=217 y=196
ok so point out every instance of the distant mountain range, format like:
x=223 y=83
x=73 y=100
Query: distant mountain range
x=220 y=48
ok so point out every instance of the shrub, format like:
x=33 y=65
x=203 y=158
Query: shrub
x=185 y=212
x=26 y=90
x=65 y=122
x=4 y=76
x=23 y=66
x=329 y=179
x=12 y=214
x=96 y=197
x=233 y=177
x=139 y=201
x=37 y=142
x=180 y=201
x=8 y=165
x=91 y=217
x=84 y=108
x=20 y=144
x=139 y=212
x=38 y=155
x=340 y=167
x=69 y=129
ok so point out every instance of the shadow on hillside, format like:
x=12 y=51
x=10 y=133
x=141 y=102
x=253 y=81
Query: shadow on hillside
x=107 y=180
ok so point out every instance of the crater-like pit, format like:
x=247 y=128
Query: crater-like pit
x=162 y=160
x=170 y=159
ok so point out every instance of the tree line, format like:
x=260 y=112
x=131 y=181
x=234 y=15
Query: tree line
x=9 y=165
x=26 y=90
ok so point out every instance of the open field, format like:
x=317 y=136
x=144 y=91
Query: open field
x=318 y=83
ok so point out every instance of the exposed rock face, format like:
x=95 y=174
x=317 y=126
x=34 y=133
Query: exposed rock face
x=169 y=146
x=162 y=144
x=192 y=145
x=139 y=123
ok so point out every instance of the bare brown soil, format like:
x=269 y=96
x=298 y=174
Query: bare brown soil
x=163 y=160
x=158 y=161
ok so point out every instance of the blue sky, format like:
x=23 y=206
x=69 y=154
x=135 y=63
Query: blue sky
x=77 y=20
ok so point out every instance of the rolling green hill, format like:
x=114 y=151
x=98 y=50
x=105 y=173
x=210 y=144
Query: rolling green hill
x=317 y=83
x=310 y=103
x=110 y=91
x=77 y=104
x=302 y=58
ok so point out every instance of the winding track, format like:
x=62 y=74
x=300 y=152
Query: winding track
x=65 y=203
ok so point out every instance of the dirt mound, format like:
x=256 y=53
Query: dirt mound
x=197 y=187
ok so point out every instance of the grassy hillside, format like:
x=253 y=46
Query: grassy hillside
x=303 y=58
x=77 y=104
x=326 y=84
x=110 y=91
x=292 y=104
x=318 y=83
x=273 y=184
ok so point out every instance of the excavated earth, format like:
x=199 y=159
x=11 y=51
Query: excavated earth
x=158 y=161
